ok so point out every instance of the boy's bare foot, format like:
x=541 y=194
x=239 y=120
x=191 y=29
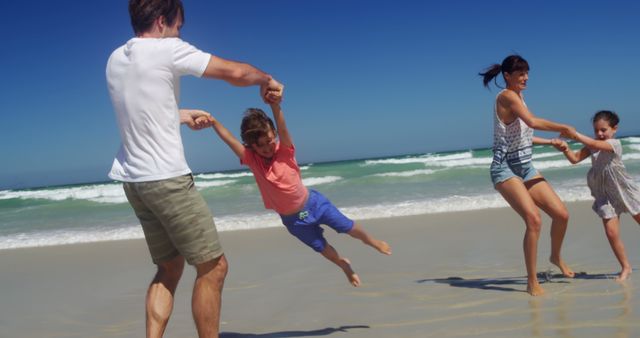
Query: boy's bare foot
x=382 y=246
x=534 y=289
x=624 y=274
x=566 y=271
x=353 y=278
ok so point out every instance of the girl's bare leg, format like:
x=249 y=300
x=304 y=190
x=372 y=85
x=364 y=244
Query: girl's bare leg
x=612 y=229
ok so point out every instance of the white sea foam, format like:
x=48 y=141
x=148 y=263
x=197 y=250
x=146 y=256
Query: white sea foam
x=554 y=164
x=215 y=176
x=451 y=204
x=65 y=236
x=407 y=160
x=564 y=163
x=632 y=139
x=72 y=236
x=569 y=190
x=546 y=155
x=634 y=146
x=428 y=158
x=626 y=157
x=467 y=162
x=208 y=184
x=464 y=159
x=320 y=180
x=409 y=173
x=110 y=193
x=101 y=193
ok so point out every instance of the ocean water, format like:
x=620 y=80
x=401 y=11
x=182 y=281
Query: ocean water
x=363 y=189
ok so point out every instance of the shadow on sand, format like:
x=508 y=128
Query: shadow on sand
x=504 y=283
x=286 y=334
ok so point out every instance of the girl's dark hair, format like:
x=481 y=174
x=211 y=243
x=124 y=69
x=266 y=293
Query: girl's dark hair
x=510 y=64
x=255 y=124
x=144 y=12
x=608 y=116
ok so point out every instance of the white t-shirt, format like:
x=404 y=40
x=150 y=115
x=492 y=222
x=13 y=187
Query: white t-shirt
x=143 y=77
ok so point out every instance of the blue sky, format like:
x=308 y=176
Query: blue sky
x=363 y=78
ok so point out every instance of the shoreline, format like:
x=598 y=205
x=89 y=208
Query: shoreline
x=266 y=216
x=451 y=275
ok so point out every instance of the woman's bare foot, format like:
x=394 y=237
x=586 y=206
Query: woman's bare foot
x=624 y=274
x=382 y=247
x=534 y=289
x=566 y=271
x=353 y=278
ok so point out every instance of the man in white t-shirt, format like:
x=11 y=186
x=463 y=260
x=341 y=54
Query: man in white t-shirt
x=143 y=78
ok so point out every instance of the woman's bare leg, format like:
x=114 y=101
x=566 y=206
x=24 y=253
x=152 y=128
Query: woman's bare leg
x=546 y=198
x=517 y=195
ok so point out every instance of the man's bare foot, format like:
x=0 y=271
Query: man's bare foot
x=353 y=278
x=624 y=274
x=382 y=246
x=566 y=271
x=534 y=289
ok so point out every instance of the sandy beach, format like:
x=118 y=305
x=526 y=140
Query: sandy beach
x=451 y=275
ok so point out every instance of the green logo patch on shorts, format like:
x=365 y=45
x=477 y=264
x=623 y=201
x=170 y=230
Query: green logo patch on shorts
x=303 y=214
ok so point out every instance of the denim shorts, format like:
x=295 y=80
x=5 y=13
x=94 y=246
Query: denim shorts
x=503 y=171
x=305 y=224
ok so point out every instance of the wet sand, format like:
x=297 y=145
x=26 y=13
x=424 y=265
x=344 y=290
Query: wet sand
x=451 y=275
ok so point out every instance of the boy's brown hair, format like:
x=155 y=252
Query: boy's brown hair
x=255 y=124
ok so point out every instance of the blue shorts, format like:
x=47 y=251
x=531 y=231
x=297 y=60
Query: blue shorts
x=503 y=171
x=305 y=224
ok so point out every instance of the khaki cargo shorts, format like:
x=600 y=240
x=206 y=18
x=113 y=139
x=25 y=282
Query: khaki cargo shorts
x=175 y=219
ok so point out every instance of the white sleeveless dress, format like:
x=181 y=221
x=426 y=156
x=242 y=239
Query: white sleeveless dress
x=614 y=190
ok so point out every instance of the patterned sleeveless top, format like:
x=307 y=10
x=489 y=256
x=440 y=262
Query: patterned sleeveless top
x=512 y=142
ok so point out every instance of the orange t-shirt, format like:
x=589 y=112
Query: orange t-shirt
x=278 y=179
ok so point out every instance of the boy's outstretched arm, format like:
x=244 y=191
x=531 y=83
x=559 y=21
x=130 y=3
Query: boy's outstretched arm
x=236 y=146
x=281 y=125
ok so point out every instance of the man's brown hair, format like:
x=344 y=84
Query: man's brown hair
x=144 y=12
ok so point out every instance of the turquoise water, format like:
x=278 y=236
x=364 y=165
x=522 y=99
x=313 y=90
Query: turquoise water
x=363 y=189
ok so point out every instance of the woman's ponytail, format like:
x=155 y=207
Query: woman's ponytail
x=490 y=74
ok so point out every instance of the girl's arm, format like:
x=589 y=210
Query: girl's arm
x=576 y=156
x=512 y=101
x=573 y=156
x=281 y=125
x=227 y=137
x=594 y=144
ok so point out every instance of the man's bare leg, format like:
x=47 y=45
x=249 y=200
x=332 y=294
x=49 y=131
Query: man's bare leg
x=159 y=302
x=207 y=296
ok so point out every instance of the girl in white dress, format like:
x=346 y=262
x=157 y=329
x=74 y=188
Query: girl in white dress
x=614 y=190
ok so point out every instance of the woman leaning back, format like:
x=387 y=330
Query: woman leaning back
x=512 y=171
